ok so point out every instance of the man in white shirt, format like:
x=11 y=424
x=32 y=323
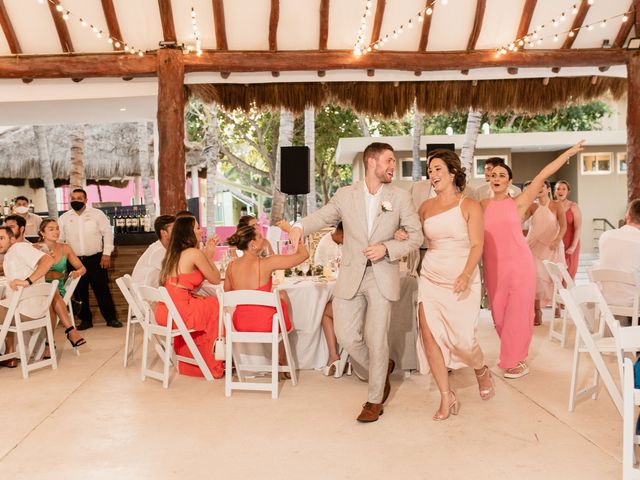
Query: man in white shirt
x=620 y=250
x=18 y=226
x=485 y=191
x=33 y=220
x=147 y=269
x=329 y=247
x=88 y=231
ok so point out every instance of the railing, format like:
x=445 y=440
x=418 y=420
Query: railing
x=600 y=225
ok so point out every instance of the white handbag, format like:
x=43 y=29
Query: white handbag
x=219 y=347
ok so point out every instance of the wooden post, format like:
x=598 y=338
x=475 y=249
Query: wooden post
x=633 y=125
x=171 y=160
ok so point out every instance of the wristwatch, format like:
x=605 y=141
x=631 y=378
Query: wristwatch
x=29 y=281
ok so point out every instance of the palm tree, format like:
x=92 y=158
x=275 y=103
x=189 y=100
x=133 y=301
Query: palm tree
x=45 y=170
x=416 y=165
x=285 y=136
x=470 y=139
x=211 y=153
x=145 y=139
x=76 y=179
x=310 y=141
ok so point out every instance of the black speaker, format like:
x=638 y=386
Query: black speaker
x=440 y=146
x=294 y=170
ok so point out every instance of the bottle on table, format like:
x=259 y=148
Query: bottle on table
x=6 y=211
x=127 y=222
x=32 y=207
x=135 y=221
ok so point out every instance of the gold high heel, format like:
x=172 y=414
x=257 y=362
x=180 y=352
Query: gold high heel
x=454 y=407
x=488 y=393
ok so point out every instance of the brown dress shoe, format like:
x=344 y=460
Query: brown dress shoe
x=370 y=412
x=387 y=385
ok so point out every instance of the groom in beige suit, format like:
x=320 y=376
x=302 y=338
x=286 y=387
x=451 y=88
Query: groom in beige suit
x=371 y=212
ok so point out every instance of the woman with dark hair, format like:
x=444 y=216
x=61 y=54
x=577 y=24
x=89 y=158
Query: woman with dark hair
x=184 y=268
x=548 y=224
x=252 y=272
x=509 y=271
x=571 y=239
x=449 y=284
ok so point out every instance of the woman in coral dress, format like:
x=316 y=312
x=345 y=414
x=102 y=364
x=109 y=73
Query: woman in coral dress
x=571 y=239
x=509 y=271
x=548 y=224
x=253 y=272
x=449 y=283
x=184 y=268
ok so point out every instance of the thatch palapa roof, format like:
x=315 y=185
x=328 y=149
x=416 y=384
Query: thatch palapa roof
x=396 y=98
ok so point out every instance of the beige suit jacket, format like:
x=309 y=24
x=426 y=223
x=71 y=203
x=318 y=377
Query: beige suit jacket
x=348 y=206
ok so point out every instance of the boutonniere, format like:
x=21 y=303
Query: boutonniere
x=387 y=207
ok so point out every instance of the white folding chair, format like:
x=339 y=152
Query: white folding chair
x=607 y=278
x=277 y=334
x=135 y=315
x=561 y=279
x=582 y=302
x=69 y=287
x=16 y=324
x=631 y=399
x=149 y=297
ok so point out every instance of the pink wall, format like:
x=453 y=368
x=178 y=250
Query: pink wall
x=109 y=194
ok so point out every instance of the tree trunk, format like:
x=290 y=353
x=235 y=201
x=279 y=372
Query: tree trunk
x=416 y=165
x=310 y=141
x=470 y=139
x=362 y=123
x=76 y=178
x=45 y=170
x=285 y=136
x=211 y=153
x=145 y=139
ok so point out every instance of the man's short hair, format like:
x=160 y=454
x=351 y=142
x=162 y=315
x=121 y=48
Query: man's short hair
x=185 y=213
x=8 y=230
x=22 y=197
x=20 y=221
x=634 y=211
x=162 y=222
x=494 y=161
x=80 y=190
x=374 y=150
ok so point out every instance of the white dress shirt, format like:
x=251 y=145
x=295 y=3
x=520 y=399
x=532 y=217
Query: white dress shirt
x=19 y=262
x=620 y=250
x=88 y=233
x=371 y=205
x=147 y=270
x=326 y=251
x=485 y=191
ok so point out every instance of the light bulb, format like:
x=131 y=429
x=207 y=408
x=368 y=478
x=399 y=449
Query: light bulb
x=555 y=38
x=589 y=27
x=117 y=44
x=410 y=24
x=83 y=23
x=572 y=34
x=575 y=10
x=65 y=16
x=603 y=24
x=625 y=17
x=429 y=11
x=420 y=17
x=59 y=8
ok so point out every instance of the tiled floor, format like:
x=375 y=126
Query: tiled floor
x=92 y=419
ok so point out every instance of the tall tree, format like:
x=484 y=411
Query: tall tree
x=310 y=141
x=76 y=178
x=470 y=139
x=211 y=154
x=145 y=139
x=45 y=170
x=285 y=137
x=416 y=130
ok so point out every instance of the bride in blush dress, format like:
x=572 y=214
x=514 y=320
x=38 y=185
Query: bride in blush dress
x=449 y=284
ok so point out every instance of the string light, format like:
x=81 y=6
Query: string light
x=195 y=34
x=66 y=14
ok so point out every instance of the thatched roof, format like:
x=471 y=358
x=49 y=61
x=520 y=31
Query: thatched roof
x=396 y=98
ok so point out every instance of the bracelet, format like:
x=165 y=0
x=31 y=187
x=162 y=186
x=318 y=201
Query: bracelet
x=29 y=281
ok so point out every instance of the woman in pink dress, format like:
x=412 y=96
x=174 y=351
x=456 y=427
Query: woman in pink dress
x=449 y=283
x=184 y=268
x=571 y=239
x=548 y=224
x=509 y=271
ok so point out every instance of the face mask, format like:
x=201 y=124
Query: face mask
x=77 y=206
x=22 y=210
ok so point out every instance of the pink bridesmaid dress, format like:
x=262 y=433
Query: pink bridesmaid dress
x=573 y=259
x=544 y=228
x=510 y=279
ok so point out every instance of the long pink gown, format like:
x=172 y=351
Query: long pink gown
x=510 y=278
x=573 y=259
x=451 y=317
x=544 y=228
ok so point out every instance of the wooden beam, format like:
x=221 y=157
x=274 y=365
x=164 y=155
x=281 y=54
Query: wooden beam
x=221 y=29
x=377 y=22
x=426 y=27
x=633 y=125
x=112 y=23
x=61 y=28
x=122 y=65
x=636 y=16
x=166 y=16
x=7 y=28
x=324 y=24
x=625 y=28
x=481 y=6
x=578 y=20
x=170 y=120
x=525 y=23
x=274 y=17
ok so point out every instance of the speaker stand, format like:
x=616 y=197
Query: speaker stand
x=295 y=208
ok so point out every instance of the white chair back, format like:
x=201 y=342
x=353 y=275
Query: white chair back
x=561 y=279
x=631 y=397
x=135 y=315
x=607 y=278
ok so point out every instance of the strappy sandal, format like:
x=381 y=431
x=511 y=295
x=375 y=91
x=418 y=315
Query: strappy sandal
x=77 y=343
x=487 y=393
x=46 y=357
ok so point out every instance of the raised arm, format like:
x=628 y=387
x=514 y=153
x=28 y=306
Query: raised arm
x=203 y=261
x=327 y=216
x=529 y=194
x=281 y=262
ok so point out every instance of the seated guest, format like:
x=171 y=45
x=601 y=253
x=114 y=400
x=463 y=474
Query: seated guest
x=61 y=253
x=147 y=269
x=184 y=268
x=18 y=225
x=620 y=250
x=329 y=247
x=33 y=221
x=24 y=266
x=251 y=272
x=265 y=249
